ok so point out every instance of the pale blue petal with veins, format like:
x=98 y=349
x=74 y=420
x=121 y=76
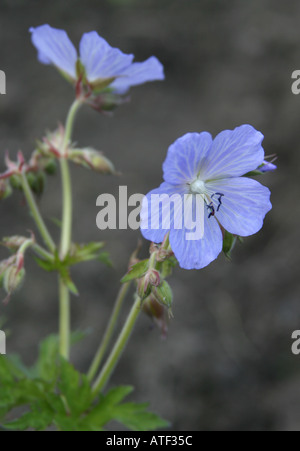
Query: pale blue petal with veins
x=213 y=169
x=99 y=59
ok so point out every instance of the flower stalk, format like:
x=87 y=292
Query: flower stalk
x=66 y=234
x=109 y=331
x=119 y=347
x=36 y=214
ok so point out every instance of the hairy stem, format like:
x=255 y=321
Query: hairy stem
x=36 y=214
x=66 y=232
x=118 y=349
x=109 y=332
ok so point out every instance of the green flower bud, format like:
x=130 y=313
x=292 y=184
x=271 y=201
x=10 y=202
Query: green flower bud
x=15 y=182
x=163 y=294
x=5 y=189
x=92 y=159
x=13 y=279
x=39 y=183
x=143 y=289
x=51 y=167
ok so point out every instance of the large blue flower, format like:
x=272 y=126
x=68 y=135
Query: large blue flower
x=103 y=65
x=214 y=169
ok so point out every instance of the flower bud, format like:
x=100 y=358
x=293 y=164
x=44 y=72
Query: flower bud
x=52 y=143
x=143 y=289
x=163 y=294
x=157 y=313
x=15 y=182
x=152 y=278
x=36 y=182
x=50 y=166
x=92 y=159
x=5 y=189
x=267 y=167
x=13 y=279
x=13 y=242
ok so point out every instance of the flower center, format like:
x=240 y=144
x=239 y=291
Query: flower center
x=198 y=187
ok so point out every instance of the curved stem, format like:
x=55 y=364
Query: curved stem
x=36 y=214
x=109 y=332
x=66 y=233
x=118 y=348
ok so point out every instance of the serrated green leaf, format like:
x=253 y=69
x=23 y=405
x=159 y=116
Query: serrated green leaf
x=75 y=388
x=137 y=418
x=134 y=416
x=47 y=364
x=38 y=418
x=136 y=271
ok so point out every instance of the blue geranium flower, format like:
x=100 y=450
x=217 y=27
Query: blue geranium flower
x=99 y=64
x=214 y=169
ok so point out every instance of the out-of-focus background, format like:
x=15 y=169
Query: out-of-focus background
x=227 y=362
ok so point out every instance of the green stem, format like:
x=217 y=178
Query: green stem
x=118 y=348
x=25 y=246
x=36 y=214
x=41 y=252
x=64 y=319
x=109 y=332
x=66 y=232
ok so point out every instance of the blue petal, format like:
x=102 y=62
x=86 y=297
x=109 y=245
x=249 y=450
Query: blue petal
x=267 y=167
x=54 y=47
x=244 y=204
x=138 y=73
x=234 y=153
x=185 y=157
x=152 y=221
x=100 y=59
x=196 y=254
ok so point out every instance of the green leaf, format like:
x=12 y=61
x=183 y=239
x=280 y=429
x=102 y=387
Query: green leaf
x=253 y=173
x=70 y=284
x=75 y=388
x=166 y=267
x=104 y=258
x=56 y=222
x=229 y=241
x=137 y=418
x=48 y=358
x=136 y=271
x=133 y=416
x=38 y=418
x=83 y=252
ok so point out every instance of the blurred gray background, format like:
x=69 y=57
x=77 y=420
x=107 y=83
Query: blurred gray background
x=227 y=361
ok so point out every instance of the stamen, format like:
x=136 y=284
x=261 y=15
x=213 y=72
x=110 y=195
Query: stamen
x=219 y=199
x=211 y=207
